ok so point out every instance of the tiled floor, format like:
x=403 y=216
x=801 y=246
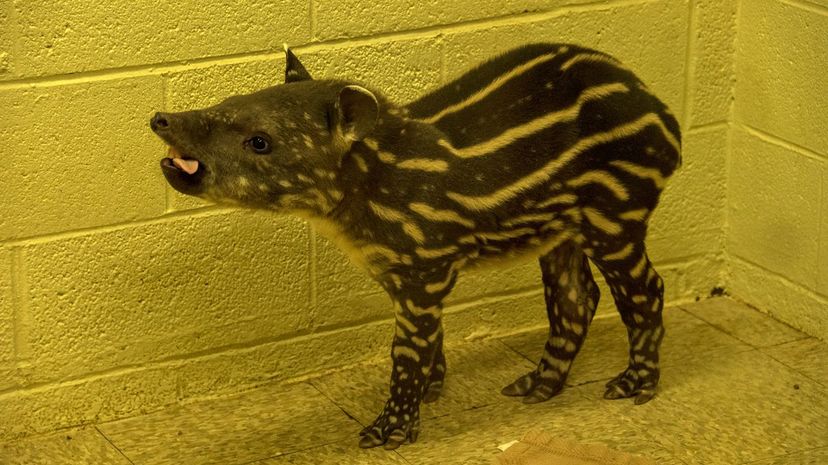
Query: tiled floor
x=737 y=388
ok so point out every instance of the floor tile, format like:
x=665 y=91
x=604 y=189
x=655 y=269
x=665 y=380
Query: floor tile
x=807 y=356
x=736 y=408
x=70 y=447
x=340 y=453
x=744 y=323
x=721 y=401
x=477 y=371
x=263 y=423
x=472 y=436
x=602 y=356
x=688 y=338
x=810 y=457
x=604 y=353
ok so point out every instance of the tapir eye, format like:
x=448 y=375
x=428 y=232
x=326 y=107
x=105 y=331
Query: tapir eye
x=259 y=143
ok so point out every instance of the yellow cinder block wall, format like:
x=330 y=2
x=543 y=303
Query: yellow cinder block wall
x=777 y=239
x=118 y=296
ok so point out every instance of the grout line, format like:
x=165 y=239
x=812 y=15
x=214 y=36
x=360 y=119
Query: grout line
x=139 y=70
x=113 y=444
x=332 y=401
x=804 y=375
x=689 y=64
x=510 y=348
x=261 y=460
x=720 y=328
x=786 y=144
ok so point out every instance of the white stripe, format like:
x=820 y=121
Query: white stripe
x=493 y=86
x=603 y=178
x=538 y=124
x=484 y=202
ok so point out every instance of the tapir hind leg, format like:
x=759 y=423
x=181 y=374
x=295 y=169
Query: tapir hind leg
x=571 y=298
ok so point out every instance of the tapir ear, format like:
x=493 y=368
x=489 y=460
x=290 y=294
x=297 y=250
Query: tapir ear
x=357 y=110
x=294 y=71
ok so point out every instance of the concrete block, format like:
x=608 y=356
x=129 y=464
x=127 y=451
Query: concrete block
x=694 y=202
x=642 y=35
x=355 y=18
x=139 y=390
x=344 y=292
x=712 y=72
x=94 y=399
x=400 y=69
x=781 y=62
x=285 y=360
x=7 y=39
x=204 y=86
x=164 y=291
x=774 y=206
x=496 y=279
x=73 y=36
x=779 y=297
x=79 y=156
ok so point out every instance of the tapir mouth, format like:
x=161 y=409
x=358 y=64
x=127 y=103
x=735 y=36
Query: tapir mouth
x=178 y=160
x=184 y=173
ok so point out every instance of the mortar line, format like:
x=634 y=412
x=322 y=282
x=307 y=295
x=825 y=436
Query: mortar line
x=443 y=63
x=784 y=143
x=823 y=206
x=470 y=25
x=180 y=358
x=19 y=285
x=140 y=70
x=784 y=280
x=313 y=274
x=314 y=21
x=729 y=156
x=689 y=64
x=200 y=212
x=164 y=102
x=132 y=71
x=707 y=127
x=808 y=6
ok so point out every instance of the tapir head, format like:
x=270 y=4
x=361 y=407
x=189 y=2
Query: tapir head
x=277 y=148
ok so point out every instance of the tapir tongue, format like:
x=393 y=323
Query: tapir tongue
x=188 y=166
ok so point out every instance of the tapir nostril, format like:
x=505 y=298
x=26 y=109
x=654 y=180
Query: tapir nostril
x=159 y=122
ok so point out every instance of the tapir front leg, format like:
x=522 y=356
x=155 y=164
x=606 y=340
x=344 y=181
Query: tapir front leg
x=418 y=307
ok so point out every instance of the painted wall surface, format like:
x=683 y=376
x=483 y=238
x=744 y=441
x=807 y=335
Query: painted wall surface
x=778 y=173
x=119 y=296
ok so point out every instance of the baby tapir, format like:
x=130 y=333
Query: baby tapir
x=551 y=151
